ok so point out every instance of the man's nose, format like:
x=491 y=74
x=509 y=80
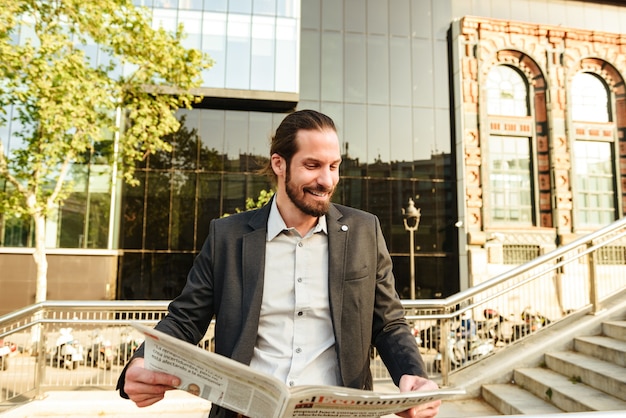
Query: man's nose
x=326 y=178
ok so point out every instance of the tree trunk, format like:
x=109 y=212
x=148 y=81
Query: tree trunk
x=41 y=260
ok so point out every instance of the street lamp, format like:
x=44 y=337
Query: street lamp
x=411 y=222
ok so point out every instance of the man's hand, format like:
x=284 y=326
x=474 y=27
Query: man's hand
x=410 y=383
x=145 y=387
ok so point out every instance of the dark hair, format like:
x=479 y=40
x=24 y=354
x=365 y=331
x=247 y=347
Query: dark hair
x=284 y=140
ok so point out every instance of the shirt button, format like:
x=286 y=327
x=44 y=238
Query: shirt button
x=300 y=313
x=299 y=279
x=300 y=244
x=292 y=383
x=298 y=350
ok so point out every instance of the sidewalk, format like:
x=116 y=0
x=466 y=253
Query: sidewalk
x=177 y=404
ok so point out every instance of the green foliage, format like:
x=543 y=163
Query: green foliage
x=263 y=199
x=67 y=106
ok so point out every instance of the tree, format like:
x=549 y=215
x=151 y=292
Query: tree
x=65 y=104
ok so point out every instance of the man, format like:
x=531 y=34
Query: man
x=300 y=288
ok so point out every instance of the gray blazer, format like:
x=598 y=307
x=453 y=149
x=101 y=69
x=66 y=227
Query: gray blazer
x=226 y=282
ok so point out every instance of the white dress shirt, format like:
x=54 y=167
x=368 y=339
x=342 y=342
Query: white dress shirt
x=295 y=340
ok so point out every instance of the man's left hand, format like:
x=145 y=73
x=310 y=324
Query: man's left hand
x=410 y=383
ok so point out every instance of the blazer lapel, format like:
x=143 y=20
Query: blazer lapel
x=337 y=251
x=253 y=266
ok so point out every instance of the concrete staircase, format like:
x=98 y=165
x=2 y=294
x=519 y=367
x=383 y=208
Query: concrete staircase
x=588 y=376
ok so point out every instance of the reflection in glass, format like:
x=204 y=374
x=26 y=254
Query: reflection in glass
x=595 y=185
x=590 y=100
x=510 y=181
x=158 y=209
x=131 y=229
x=507 y=92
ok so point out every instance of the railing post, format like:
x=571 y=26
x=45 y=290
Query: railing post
x=41 y=363
x=593 y=290
x=443 y=349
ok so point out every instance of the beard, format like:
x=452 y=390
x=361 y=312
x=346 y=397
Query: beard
x=316 y=208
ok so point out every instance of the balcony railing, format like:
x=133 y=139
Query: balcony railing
x=474 y=323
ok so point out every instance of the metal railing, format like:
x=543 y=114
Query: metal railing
x=475 y=323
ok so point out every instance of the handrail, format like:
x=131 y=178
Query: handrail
x=572 y=275
x=457 y=298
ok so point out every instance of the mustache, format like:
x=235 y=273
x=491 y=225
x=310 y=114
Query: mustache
x=320 y=189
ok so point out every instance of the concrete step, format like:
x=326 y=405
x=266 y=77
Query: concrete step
x=510 y=399
x=615 y=329
x=564 y=392
x=602 y=347
x=602 y=375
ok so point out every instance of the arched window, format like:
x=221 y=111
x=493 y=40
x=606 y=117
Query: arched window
x=507 y=92
x=590 y=99
x=510 y=171
x=594 y=152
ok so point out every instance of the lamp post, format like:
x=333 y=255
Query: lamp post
x=411 y=222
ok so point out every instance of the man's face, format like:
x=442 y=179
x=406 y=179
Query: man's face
x=313 y=172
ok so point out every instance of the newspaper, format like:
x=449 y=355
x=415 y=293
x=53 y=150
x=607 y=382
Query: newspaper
x=239 y=388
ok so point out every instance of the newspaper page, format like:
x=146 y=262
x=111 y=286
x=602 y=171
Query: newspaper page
x=220 y=380
x=242 y=389
x=339 y=402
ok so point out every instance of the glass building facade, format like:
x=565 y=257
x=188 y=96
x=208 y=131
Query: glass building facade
x=363 y=72
x=418 y=115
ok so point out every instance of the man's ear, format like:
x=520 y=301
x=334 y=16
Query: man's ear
x=278 y=164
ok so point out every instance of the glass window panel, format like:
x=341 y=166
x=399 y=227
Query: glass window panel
x=132 y=287
x=264 y=7
x=72 y=221
x=511 y=193
x=193 y=28
x=590 y=99
x=166 y=4
x=158 y=209
x=595 y=183
x=163 y=18
x=211 y=135
x=287 y=55
x=131 y=228
x=355 y=77
x=399 y=14
x=378 y=141
x=234 y=192
x=214 y=43
x=400 y=77
x=143 y=3
x=423 y=134
x=183 y=211
x=191 y=5
x=261 y=130
x=354 y=138
x=238 y=52
x=311 y=66
x=236 y=146
x=216 y=5
x=355 y=20
x=289 y=8
x=332 y=71
x=377 y=70
x=263 y=54
x=507 y=92
x=240 y=6
x=185 y=144
x=377 y=16
x=332 y=15
x=401 y=137
x=209 y=204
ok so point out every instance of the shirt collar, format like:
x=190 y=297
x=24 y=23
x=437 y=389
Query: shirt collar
x=276 y=224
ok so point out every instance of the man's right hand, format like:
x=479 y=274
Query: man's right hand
x=145 y=387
